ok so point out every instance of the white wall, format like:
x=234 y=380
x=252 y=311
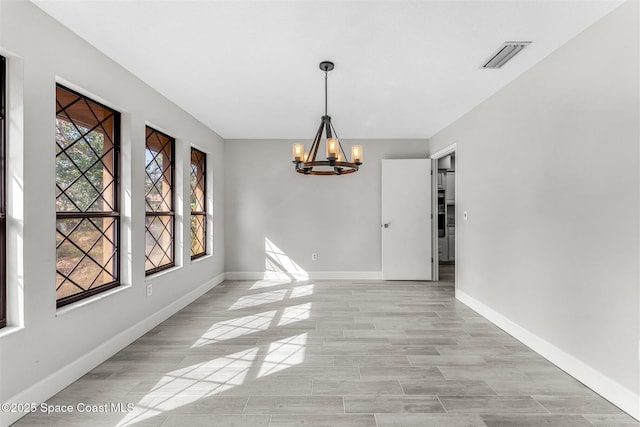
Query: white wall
x=44 y=349
x=336 y=216
x=548 y=171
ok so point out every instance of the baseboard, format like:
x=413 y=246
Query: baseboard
x=615 y=393
x=49 y=386
x=310 y=275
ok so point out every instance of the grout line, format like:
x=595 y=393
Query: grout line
x=244 y=408
x=538 y=402
x=442 y=404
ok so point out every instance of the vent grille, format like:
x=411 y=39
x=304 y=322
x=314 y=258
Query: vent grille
x=507 y=51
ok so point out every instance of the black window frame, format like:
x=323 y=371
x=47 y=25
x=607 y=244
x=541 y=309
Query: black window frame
x=115 y=213
x=202 y=213
x=3 y=193
x=171 y=213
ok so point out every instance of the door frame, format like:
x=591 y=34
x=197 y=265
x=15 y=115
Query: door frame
x=450 y=149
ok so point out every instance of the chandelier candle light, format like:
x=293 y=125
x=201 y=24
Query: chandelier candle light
x=337 y=162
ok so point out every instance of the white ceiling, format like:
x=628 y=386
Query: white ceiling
x=404 y=69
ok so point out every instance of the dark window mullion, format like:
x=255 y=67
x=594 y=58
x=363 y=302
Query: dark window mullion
x=66 y=215
x=3 y=197
x=160 y=213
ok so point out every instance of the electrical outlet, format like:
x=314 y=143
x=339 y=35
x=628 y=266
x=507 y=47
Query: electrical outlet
x=464 y=215
x=314 y=256
x=149 y=289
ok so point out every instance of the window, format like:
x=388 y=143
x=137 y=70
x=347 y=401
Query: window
x=3 y=205
x=198 y=204
x=87 y=195
x=159 y=247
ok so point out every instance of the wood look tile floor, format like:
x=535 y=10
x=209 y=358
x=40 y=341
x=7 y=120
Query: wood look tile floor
x=330 y=353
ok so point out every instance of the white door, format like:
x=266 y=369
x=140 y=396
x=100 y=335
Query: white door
x=406 y=219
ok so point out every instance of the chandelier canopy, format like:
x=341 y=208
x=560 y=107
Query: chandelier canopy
x=337 y=162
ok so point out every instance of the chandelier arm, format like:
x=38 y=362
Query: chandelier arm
x=339 y=143
x=334 y=132
x=316 y=144
x=327 y=126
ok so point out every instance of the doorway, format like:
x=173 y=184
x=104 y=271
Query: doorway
x=444 y=208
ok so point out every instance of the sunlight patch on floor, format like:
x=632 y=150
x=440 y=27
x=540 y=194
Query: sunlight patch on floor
x=187 y=385
x=295 y=313
x=283 y=354
x=302 y=291
x=270 y=283
x=259 y=299
x=234 y=328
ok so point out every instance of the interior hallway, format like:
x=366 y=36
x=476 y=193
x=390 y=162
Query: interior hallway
x=331 y=353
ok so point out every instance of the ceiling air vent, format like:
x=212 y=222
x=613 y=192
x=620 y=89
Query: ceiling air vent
x=507 y=51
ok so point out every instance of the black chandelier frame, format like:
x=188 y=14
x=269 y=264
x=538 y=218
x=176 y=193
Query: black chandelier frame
x=332 y=165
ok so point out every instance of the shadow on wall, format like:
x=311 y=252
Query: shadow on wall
x=278 y=265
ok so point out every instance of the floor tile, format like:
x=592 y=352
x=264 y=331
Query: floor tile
x=294 y=405
x=218 y=421
x=347 y=420
x=491 y=404
x=612 y=420
x=346 y=387
x=429 y=420
x=446 y=387
x=525 y=420
x=577 y=405
x=392 y=404
x=399 y=373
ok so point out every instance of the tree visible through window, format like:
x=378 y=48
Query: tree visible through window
x=87 y=218
x=159 y=247
x=198 y=204
x=3 y=204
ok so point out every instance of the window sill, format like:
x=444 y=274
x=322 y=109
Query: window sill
x=201 y=258
x=8 y=330
x=161 y=273
x=106 y=294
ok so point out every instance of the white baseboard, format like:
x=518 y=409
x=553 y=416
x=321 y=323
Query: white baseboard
x=611 y=390
x=49 y=386
x=310 y=275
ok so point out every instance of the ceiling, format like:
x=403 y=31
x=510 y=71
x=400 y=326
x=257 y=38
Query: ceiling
x=249 y=69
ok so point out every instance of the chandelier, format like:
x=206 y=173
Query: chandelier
x=337 y=162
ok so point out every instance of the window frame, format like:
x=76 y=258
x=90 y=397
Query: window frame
x=202 y=213
x=115 y=213
x=172 y=212
x=3 y=193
